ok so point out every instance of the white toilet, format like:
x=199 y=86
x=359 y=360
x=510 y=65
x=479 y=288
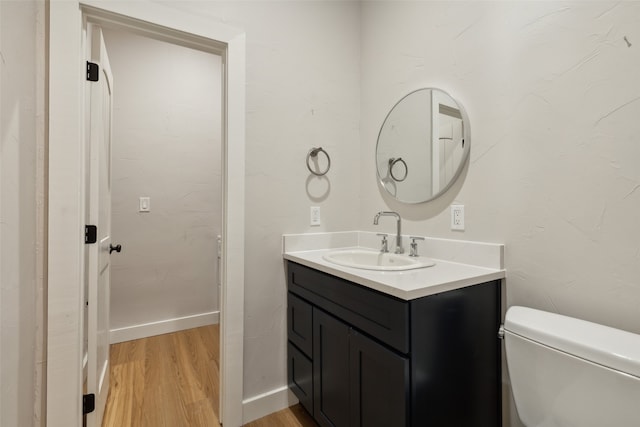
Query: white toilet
x=567 y=372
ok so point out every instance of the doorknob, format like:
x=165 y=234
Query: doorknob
x=116 y=248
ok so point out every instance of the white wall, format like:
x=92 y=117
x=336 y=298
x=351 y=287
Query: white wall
x=553 y=97
x=166 y=146
x=302 y=91
x=22 y=354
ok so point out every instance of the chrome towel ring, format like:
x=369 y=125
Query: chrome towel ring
x=392 y=163
x=314 y=153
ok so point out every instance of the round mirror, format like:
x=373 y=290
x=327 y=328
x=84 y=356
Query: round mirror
x=423 y=145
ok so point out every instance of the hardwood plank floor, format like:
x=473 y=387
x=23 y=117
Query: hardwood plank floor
x=294 y=416
x=167 y=380
x=172 y=380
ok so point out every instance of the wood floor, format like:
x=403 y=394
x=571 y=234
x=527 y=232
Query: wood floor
x=172 y=380
x=294 y=416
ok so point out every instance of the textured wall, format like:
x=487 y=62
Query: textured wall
x=22 y=357
x=166 y=145
x=302 y=91
x=553 y=96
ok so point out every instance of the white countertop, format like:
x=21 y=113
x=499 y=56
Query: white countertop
x=408 y=284
x=445 y=275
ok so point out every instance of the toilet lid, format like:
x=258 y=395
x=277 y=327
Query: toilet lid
x=610 y=347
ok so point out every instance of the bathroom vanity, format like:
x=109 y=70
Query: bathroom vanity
x=426 y=356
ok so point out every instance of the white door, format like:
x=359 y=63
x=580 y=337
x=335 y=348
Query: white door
x=99 y=201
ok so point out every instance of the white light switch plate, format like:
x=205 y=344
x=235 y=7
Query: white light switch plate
x=315 y=215
x=145 y=204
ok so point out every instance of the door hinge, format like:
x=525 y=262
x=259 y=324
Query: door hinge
x=88 y=403
x=93 y=71
x=90 y=234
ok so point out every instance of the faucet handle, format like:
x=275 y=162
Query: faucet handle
x=413 y=247
x=385 y=245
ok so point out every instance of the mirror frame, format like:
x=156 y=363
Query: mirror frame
x=465 y=154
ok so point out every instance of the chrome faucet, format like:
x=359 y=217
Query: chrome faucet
x=399 y=248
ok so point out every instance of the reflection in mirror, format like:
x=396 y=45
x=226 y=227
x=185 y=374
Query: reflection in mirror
x=392 y=167
x=422 y=146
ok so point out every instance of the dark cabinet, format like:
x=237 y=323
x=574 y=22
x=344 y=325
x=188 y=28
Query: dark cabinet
x=299 y=366
x=299 y=326
x=357 y=382
x=330 y=370
x=358 y=357
x=379 y=382
x=300 y=373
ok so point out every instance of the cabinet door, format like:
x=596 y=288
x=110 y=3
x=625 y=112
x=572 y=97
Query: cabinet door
x=379 y=384
x=330 y=370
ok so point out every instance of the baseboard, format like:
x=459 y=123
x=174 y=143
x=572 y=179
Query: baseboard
x=267 y=403
x=163 y=327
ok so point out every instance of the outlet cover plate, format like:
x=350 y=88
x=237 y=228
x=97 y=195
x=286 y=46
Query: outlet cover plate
x=457 y=217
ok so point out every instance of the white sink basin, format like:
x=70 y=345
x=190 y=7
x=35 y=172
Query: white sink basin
x=375 y=260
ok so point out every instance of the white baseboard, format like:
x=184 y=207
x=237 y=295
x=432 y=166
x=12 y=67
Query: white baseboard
x=267 y=403
x=163 y=327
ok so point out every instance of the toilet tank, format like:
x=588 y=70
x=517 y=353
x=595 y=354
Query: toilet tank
x=567 y=372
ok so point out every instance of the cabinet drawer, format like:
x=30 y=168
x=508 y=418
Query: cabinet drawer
x=300 y=376
x=299 y=324
x=379 y=315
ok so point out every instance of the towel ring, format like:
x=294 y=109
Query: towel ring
x=392 y=163
x=314 y=153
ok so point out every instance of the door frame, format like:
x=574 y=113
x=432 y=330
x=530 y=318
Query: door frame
x=67 y=183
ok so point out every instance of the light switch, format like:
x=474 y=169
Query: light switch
x=145 y=204
x=315 y=215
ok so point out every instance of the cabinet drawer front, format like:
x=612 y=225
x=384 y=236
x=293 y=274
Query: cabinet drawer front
x=299 y=324
x=380 y=315
x=300 y=376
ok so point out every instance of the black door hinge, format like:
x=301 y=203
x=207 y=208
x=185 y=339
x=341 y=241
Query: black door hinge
x=90 y=234
x=88 y=403
x=93 y=71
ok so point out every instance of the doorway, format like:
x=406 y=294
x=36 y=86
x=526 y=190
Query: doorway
x=165 y=193
x=67 y=183
x=166 y=186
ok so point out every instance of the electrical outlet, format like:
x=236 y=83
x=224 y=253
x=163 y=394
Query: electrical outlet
x=315 y=215
x=457 y=217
